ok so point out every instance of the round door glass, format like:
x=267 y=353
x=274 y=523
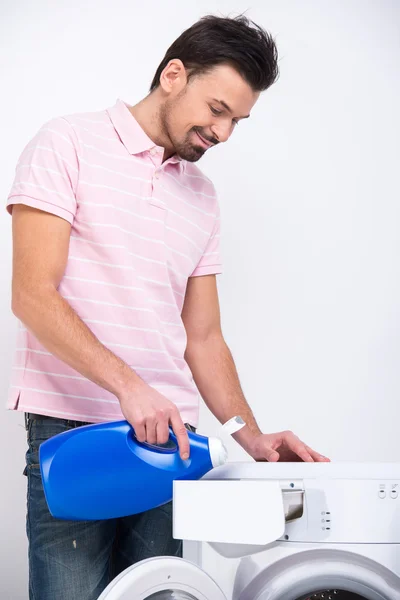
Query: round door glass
x=332 y=595
x=171 y=595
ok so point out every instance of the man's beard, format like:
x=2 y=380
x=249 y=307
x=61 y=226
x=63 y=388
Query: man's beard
x=186 y=149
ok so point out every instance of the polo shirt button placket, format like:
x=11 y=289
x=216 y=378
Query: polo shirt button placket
x=156 y=152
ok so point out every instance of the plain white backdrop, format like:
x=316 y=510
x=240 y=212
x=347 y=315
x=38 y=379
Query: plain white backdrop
x=309 y=192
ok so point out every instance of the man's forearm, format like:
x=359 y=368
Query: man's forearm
x=216 y=377
x=60 y=330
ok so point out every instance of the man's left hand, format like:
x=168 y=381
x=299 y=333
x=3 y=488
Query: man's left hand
x=284 y=446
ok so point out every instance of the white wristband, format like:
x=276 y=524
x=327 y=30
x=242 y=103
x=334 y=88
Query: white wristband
x=233 y=425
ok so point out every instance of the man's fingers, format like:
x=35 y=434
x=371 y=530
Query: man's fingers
x=162 y=432
x=139 y=429
x=181 y=435
x=303 y=453
x=151 y=434
x=317 y=456
x=273 y=456
x=297 y=446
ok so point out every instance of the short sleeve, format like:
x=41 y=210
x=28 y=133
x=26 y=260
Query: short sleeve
x=211 y=263
x=47 y=172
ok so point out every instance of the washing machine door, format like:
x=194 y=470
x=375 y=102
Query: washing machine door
x=321 y=574
x=163 y=578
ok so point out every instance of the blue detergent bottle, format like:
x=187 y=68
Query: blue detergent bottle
x=102 y=471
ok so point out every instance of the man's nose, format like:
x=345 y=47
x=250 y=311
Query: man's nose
x=222 y=131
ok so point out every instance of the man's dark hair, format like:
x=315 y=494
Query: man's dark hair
x=237 y=41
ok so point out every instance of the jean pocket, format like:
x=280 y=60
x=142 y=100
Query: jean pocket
x=40 y=430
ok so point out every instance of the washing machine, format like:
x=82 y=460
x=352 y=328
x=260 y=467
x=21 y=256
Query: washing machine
x=279 y=531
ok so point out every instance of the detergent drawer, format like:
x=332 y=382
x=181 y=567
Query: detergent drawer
x=248 y=512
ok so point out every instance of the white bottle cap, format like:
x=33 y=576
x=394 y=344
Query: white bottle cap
x=218 y=452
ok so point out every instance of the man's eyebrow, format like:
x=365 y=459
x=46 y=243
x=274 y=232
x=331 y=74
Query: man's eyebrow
x=228 y=108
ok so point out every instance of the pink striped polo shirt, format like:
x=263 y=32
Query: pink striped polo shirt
x=139 y=229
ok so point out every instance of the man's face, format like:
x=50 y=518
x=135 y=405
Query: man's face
x=206 y=111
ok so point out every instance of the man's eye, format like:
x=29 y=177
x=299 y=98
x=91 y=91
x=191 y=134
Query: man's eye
x=215 y=111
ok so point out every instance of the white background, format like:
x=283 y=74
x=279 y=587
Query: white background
x=309 y=192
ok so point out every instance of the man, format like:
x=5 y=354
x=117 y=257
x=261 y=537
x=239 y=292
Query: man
x=115 y=253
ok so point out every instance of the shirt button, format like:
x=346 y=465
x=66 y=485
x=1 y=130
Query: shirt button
x=153 y=151
x=156 y=175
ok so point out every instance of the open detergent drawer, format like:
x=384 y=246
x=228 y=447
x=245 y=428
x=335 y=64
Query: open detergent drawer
x=240 y=512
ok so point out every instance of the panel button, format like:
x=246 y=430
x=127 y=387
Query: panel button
x=382 y=494
x=394 y=494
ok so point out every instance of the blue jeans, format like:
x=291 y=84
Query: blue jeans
x=75 y=560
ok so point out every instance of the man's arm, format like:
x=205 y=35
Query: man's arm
x=40 y=252
x=215 y=375
x=210 y=359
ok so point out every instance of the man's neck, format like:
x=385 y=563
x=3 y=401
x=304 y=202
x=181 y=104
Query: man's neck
x=147 y=114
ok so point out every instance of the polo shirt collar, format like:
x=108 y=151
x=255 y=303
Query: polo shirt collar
x=130 y=132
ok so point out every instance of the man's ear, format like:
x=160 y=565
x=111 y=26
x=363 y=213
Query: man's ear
x=173 y=78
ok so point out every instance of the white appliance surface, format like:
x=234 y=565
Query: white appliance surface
x=304 y=531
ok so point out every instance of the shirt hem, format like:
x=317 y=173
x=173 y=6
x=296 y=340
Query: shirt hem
x=74 y=417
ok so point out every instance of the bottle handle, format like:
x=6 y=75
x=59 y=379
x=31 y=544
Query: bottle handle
x=169 y=448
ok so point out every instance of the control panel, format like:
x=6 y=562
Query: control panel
x=388 y=490
x=347 y=511
x=326 y=520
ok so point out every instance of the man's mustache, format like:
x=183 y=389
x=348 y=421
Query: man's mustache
x=212 y=140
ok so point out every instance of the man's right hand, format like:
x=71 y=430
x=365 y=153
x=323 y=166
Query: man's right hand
x=150 y=414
